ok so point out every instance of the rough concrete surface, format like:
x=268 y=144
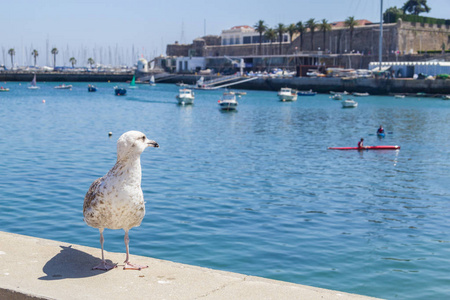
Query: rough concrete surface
x=34 y=268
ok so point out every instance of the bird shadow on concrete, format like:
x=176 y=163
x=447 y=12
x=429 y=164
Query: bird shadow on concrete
x=71 y=263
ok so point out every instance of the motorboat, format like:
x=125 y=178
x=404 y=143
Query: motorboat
x=360 y=94
x=63 y=87
x=349 y=103
x=241 y=93
x=185 y=96
x=120 y=91
x=306 y=93
x=336 y=97
x=2 y=89
x=33 y=85
x=399 y=96
x=228 y=101
x=91 y=88
x=446 y=97
x=287 y=94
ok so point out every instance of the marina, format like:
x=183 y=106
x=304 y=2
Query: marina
x=255 y=192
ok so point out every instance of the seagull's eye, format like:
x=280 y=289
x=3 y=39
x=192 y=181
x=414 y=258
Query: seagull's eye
x=143 y=138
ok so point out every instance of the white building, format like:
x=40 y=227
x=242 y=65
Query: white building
x=409 y=68
x=240 y=35
x=190 y=64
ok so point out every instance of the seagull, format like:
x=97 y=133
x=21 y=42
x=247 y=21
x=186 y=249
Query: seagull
x=116 y=201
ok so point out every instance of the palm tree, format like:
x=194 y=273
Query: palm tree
x=324 y=27
x=12 y=52
x=291 y=29
x=73 y=61
x=54 y=52
x=280 y=30
x=301 y=29
x=415 y=7
x=351 y=23
x=260 y=27
x=90 y=61
x=35 y=54
x=271 y=35
x=312 y=25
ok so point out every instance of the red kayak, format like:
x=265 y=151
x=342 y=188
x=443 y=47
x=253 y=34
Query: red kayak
x=366 y=148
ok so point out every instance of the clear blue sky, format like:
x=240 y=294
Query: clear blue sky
x=76 y=28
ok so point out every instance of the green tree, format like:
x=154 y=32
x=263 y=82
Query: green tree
x=73 y=61
x=312 y=25
x=271 y=35
x=54 y=52
x=291 y=29
x=280 y=30
x=260 y=27
x=35 y=54
x=415 y=7
x=12 y=52
x=324 y=27
x=301 y=30
x=390 y=14
x=351 y=23
x=90 y=61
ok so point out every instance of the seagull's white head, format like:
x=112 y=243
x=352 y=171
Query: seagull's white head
x=133 y=143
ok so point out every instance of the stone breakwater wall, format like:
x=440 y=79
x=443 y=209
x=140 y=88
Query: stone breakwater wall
x=373 y=86
x=67 y=76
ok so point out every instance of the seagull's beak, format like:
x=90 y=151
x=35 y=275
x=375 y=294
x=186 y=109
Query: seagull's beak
x=151 y=143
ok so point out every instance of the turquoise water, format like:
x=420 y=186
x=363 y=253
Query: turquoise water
x=255 y=191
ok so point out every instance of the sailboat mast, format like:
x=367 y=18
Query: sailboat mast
x=380 y=43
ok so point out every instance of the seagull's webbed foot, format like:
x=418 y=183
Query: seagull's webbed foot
x=130 y=266
x=104 y=266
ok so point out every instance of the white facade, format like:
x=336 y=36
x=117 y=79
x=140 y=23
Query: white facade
x=409 y=68
x=190 y=64
x=142 y=65
x=239 y=35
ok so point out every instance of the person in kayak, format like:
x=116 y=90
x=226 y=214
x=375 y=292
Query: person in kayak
x=361 y=144
x=380 y=130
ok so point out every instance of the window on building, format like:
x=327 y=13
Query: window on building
x=186 y=65
x=247 y=40
x=255 y=39
x=236 y=40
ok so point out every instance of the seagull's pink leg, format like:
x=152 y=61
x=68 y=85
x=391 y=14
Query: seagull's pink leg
x=105 y=266
x=128 y=265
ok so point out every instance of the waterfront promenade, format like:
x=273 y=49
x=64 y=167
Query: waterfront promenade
x=373 y=86
x=34 y=268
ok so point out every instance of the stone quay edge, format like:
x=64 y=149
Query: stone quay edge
x=35 y=268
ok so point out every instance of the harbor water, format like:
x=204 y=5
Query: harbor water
x=254 y=191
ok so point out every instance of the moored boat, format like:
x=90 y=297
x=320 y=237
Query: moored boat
x=228 y=101
x=33 y=85
x=287 y=94
x=118 y=91
x=63 y=87
x=2 y=89
x=349 y=103
x=399 y=96
x=360 y=94
x=306 y=93
x=446 y=97
x=91 y=88
x=336 y=97
x=185 y=96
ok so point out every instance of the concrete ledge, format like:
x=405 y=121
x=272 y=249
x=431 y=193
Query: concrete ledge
x=33 y=268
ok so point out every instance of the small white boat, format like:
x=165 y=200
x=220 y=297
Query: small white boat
x=446 y=97
x=152 y=81
x=399 y=96
x=287 y=94
x=360 y=94
x=33 y=85
x=349 y=103
x=336 y=97
x=241 y=93
x=2 y=89
x=63 y=87
x=185 y=96
x=228 y=101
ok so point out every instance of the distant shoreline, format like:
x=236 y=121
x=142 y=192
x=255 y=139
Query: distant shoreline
x=373 y=86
